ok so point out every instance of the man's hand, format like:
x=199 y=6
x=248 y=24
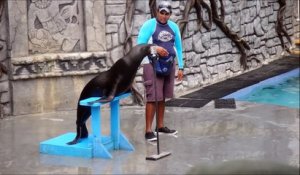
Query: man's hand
x=180 y=75
x=162 y=51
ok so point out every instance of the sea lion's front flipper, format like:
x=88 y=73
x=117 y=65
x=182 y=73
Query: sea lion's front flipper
x=102 y=100
x=96 y=101
x=107 y=99
x=111 y=95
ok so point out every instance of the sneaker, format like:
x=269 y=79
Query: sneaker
x=166 y=130
x=150 y=136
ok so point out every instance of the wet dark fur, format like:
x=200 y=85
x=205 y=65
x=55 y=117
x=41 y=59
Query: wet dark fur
x=108 y=84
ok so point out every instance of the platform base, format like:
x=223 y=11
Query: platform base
x=95 y=145
x=59 y=146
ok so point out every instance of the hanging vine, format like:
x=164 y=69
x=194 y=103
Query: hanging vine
x=152 y=6
x=239 y=42
x=197 y=4
x=128 y=44
x=281 y=31
x=3 y=69
x=1 y=9
x=128 y=20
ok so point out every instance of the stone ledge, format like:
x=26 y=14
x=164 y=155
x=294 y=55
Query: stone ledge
x=61 y=64
x=56 y=56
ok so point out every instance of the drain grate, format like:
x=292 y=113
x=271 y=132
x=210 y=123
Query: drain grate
x=225 y=103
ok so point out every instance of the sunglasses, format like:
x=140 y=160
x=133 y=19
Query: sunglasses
x=165 y=13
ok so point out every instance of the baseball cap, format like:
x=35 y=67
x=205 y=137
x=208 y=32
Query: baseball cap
x=164 y=5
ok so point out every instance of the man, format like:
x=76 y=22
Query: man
x=166 y=35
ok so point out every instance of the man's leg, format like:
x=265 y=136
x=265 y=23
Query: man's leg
x=168 y=91
x=150 y=111
x=161 y=113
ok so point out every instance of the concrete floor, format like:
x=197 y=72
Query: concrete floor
x=207 y=136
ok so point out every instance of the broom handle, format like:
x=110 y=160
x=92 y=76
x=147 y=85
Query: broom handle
x=156 y=103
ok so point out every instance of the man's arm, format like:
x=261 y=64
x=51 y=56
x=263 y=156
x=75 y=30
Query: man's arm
x=146 y=31
x=178 y=44
x=178 y=47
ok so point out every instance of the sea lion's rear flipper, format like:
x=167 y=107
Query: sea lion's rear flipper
x=76 y=140
x=78 y=135
x=82 y=132
x=73 y=142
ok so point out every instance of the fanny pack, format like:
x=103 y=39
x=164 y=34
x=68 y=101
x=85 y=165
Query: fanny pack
x=163 y=66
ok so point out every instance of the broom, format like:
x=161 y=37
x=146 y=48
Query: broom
x=159 y=155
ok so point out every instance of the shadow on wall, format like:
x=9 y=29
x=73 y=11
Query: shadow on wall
x=246 y=167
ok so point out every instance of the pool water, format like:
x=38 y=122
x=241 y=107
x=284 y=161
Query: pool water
x=284 y=94
x=280 y=90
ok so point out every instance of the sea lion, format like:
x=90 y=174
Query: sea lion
x=108 y=84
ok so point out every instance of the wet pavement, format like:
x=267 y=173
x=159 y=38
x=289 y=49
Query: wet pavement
x=207 y=136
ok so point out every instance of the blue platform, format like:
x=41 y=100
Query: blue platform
x=95 y=145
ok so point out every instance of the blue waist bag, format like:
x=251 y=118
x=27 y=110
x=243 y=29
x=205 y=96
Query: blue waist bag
x=163 y=66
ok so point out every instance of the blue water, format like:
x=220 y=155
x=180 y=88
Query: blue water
x=281 y=90
x=284 y=94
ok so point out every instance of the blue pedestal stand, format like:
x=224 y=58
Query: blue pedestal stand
x=95 y=145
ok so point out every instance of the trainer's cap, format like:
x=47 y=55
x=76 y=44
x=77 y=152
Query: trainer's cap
x=164 y=6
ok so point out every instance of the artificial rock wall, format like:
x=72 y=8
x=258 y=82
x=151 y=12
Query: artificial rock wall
x=210 y=56
x=52 y=48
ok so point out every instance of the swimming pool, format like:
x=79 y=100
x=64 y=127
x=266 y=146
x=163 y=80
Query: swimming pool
x=280 y=90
